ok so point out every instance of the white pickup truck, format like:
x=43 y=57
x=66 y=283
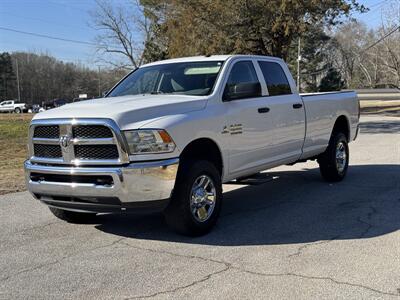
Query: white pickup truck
x=12 y=106
x=171 y=132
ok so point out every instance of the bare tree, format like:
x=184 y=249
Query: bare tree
x=350 y=39
x=391 y=43
x=43 y=77
x=123 y=31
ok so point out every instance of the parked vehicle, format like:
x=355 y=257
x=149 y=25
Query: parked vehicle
x=54 y=103
x=34 y=108
x=170 y=133
x=12 y=106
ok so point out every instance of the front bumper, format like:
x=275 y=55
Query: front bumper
x=143 y=185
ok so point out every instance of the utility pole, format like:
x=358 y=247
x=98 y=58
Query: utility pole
x=17 y=71
x=99 y=82
x=298 y=65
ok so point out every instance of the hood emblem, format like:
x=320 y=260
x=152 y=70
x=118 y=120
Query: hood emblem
x=65 y=141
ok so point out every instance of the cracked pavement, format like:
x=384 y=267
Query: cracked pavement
x=292 y=237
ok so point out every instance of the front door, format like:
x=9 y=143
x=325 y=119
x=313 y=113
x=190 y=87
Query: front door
x=246 y=122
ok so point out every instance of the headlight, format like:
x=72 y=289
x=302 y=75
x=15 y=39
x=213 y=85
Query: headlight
x=149 y=141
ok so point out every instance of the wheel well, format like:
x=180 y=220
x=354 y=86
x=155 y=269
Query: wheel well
x=342 y=125
x=203 y=148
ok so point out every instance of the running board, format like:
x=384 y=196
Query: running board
x=256 y=179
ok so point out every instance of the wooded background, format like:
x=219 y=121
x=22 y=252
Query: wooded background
x=336 y=51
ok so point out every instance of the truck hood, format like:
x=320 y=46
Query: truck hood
x=128 y=111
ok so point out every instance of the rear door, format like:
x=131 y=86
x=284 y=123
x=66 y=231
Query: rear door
x=286 y=113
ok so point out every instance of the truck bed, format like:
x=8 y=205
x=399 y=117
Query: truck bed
x=322 y=110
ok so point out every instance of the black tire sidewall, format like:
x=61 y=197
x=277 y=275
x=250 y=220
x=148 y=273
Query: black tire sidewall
x=327 y=162
x=178 y=214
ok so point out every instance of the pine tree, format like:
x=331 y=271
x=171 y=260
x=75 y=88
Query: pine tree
x=7 y=77
x=332 y=81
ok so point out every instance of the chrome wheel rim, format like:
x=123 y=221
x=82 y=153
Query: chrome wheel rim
x=341 y=157
x=202 y=198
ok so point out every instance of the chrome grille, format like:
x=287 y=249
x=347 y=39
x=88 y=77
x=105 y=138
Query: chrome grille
x=96 y=152
x=48 y=132
x=77 y=142
x=91 y=132
x=47 y=151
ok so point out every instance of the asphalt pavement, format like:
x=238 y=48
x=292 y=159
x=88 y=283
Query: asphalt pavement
x=293 y=237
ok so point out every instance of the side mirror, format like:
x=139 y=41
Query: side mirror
x=241 y=91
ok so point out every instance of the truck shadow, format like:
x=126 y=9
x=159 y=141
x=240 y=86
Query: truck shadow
x=380 y=127
x=295 y=207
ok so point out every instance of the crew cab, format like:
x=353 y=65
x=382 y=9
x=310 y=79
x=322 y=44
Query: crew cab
x=170 y=133
x=12 y=106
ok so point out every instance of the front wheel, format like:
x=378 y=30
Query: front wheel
x=196 y=201
x=72 y=216
x=334 y=162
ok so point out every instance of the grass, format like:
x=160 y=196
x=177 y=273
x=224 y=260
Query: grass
x=13 y=151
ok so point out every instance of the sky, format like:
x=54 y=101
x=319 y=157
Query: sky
x=70 y=19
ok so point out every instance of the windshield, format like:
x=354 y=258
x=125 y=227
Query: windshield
x=188 y=78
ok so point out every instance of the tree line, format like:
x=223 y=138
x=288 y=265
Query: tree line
x=43 y=77
x=334 y=52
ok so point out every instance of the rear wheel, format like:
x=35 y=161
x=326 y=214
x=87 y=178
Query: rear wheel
x=17 y=110
x=334 y=162
x=196 y=201
x=72 y=216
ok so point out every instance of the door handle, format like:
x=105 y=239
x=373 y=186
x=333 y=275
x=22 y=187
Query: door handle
x=297 y=105
x=263 y=110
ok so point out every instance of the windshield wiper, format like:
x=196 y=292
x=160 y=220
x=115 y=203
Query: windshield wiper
x=165 y=93
x=161 y=92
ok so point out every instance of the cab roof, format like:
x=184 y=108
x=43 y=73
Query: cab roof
x=204 y=58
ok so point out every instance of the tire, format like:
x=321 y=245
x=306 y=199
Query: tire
x=72 y=216
x=17 y=110
x=334 y=162
x=190 y=212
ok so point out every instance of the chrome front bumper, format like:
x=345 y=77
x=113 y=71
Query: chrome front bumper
x=137 y=185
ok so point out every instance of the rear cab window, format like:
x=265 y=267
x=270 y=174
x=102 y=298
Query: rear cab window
x=275 y=78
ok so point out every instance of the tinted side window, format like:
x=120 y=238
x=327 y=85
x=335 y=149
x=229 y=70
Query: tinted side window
x=243 y=72
x=242 y=82
x=276 y=79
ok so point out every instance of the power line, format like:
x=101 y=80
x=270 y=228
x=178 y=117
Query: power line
x=82 y=61
x=65 y=5
x=40 y=20
x=382 y=38
x=48 y=36
x=378 y=4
